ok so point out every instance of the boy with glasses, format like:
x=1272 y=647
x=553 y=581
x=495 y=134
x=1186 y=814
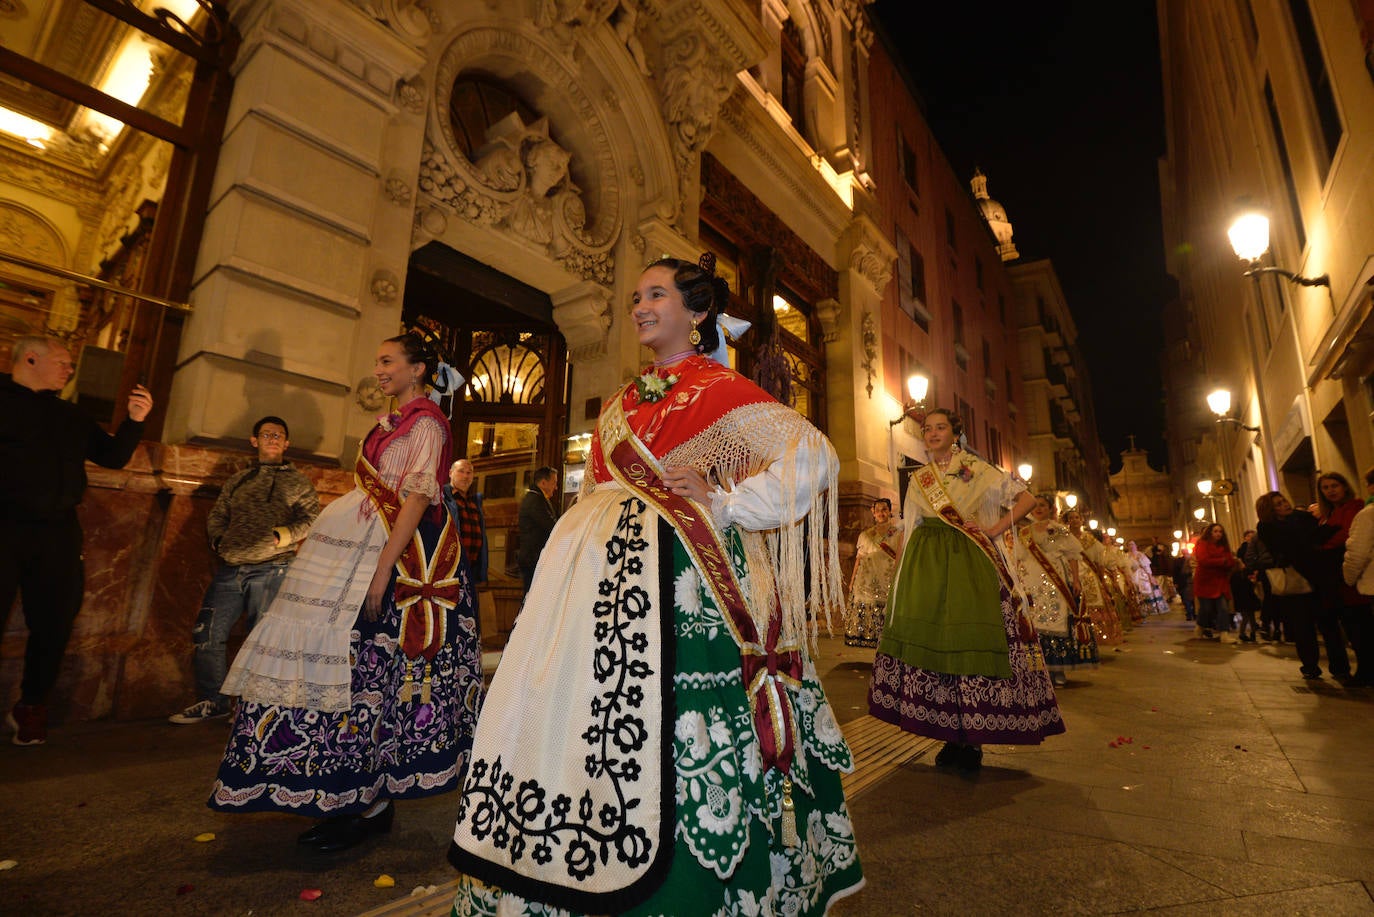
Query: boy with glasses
x=262 y=513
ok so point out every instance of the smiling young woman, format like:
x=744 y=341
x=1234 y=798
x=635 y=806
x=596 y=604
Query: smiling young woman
x=637 y=751
x=957 y=661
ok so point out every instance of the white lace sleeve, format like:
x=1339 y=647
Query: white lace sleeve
x=768 y=499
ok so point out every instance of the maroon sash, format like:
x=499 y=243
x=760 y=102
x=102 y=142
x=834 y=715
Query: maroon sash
x=428 y=583
x=768 y=667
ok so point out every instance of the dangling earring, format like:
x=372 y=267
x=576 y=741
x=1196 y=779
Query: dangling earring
x=695 y=337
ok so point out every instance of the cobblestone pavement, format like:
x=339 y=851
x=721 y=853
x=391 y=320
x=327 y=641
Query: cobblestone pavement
x=1194 y=777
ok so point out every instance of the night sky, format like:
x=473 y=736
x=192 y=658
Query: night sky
x=1059 y=103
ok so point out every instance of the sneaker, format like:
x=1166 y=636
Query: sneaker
x=30 y=724
x=199 y=712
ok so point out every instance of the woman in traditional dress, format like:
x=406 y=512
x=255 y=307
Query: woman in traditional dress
x=1142 y=572
x=361 y=683
x=1047 y=572
x=656 y=739
x=958 y=659
x=1122 y=571
x=875 y=559
x=1097 y=599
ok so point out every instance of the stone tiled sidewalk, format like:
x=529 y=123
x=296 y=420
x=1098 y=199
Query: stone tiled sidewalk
x=1243 y=790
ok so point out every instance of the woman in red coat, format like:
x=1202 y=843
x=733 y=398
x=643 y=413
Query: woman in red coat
x=1212 y=581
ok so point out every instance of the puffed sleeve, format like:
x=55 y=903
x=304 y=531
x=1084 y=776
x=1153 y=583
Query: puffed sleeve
x=1012 y=487
x=424 y=445
x=782 y=492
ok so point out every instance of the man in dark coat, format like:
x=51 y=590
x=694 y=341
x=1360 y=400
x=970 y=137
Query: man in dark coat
x=44 y=445
x=537 y=516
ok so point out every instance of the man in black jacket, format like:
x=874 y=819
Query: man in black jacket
x=44 y=445
x=537 y=516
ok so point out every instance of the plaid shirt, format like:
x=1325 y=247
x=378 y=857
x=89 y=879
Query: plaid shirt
x=469 y=527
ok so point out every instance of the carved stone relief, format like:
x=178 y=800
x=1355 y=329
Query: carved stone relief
x=696 y=82
x=521 y=180
x=411 y=95
x=385 y=287
x=413 y=20
x=25 y=232
x=368 y=395
x=397 y=191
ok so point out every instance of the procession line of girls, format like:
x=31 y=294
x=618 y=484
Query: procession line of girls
x=656 y=738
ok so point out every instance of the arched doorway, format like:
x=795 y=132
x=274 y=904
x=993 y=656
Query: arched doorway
x=511 y=417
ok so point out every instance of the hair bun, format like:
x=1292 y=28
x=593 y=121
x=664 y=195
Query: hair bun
x=707 y=262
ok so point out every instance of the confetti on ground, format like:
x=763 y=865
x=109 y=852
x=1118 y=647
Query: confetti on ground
x=419 y=890
x=384 y=881
x=1146 y=747
x=8 y=864
x=185 y=889
x=1154 y=709
x=310 y=894
x=205 y=838
x=1169 y=653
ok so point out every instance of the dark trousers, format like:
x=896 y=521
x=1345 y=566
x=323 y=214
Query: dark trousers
x=237 y=590
x=41 y=561
x=1359 y=630
x=1303 y=617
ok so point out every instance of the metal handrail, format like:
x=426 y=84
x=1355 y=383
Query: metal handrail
x=91 y=281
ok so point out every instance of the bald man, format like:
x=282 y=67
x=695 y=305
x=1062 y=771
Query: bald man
x=43 y=452
x=465 y=506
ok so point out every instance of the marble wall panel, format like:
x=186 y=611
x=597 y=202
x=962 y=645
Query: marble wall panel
x=147 y=566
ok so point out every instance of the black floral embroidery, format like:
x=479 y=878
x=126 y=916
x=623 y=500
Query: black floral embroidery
x=521 y=819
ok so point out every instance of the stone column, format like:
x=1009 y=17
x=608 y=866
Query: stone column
x=859 y=421
x=306 y=242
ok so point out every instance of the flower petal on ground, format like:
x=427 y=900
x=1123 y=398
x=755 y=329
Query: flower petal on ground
x=384 y=881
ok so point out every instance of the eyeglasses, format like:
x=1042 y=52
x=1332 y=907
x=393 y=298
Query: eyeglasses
x=271 y=436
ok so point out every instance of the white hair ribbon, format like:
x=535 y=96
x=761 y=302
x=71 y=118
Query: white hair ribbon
x=735 y=328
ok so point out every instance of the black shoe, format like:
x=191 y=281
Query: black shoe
x=948 y=755
x=1344 y=678
x=970 y=759
x=1208 y=635
x=1312 y=676
x=320 y=830
x=352 y=830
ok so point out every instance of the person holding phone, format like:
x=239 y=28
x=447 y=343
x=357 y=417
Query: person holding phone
x=44 y=446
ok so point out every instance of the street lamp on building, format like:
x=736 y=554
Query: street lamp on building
x=1199 y=514
x=1178 y=534
x=1220 y=403
x=917 y=385
x=1092 y=524
x=1205 y=488
x=1249 y=236
x=1024 y=470
x=1111 y=532
x=1070 y=500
